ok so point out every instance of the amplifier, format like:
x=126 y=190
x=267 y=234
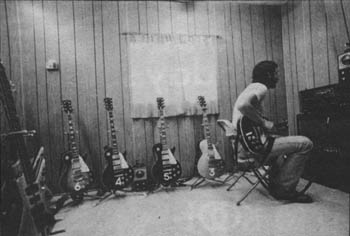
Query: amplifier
x=329 y=161
x=344 y=67
x=140 y=182
x=329 y=99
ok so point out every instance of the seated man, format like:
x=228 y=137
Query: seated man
x=289 y=153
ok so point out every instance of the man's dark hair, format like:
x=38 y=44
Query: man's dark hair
x=262 y=72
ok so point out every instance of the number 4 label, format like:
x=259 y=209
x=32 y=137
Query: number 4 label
x=118 y=182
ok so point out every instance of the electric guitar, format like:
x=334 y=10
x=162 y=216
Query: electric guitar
x=32 y=209
x=117 y=174
x=255 y=138
x=167 y=170
x=210 y=164
x=76 y=176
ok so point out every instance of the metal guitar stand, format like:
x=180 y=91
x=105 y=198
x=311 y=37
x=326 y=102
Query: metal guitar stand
x=200 y=180
x=119 y=193
x=25 y=133
x=165 y=188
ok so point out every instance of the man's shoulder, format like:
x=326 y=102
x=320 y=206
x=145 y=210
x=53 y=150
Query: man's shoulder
x=257 y=85
x=256 y=88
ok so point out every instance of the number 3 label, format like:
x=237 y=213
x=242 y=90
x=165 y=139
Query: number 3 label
x=211 y=172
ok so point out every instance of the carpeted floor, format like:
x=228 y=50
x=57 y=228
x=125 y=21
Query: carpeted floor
x=209 y=210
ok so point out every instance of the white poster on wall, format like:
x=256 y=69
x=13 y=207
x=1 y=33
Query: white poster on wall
x=177 y=68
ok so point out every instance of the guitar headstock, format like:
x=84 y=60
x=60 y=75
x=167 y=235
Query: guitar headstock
x=202 y=102
x=108 y=104
x=67 y=106
x=160 y=102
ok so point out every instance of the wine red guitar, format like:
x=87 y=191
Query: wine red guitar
x=117 y=174
x=167 y=170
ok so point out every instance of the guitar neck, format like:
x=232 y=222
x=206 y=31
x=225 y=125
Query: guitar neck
x=162 y=132
x=206 y=129
x=72 y=139
x=115 y=150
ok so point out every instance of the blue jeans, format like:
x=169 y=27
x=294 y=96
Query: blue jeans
x=288 y=157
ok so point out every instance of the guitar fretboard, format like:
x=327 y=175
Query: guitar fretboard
x=72 y=139
x=162 y=132
x=113 y=134
x=206 y=129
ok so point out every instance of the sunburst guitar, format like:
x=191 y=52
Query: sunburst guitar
x=76 y=176
x=210 y=164
x=167 y=170
x=117 y=174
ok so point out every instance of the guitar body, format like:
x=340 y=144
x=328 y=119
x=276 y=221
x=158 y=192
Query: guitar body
x=116 y=177
x=36 y=216
x=210 y=164
x=254 y=137
x=71 y=181
x=167 y=170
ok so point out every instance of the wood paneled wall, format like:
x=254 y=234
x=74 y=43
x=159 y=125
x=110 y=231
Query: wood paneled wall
x=314 y=33
x=86 y=38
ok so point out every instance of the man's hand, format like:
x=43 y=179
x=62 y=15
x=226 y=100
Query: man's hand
x=268 y=124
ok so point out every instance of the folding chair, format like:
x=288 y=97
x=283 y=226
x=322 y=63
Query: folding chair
x=259 y=168
x=248 y=167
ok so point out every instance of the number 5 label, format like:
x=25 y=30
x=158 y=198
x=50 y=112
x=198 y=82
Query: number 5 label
x=166 y=176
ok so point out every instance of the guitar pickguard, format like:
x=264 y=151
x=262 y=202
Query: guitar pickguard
x=75 y=181
x=210 y=165
x=167 y=169
x=117 y=174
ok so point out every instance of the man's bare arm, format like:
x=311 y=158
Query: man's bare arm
x=247 y=108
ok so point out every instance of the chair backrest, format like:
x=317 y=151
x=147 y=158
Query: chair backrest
x=252 y=160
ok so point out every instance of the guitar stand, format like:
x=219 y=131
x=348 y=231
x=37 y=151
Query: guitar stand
x=24 y=132
x=200 y=180
x=165 y=188
x=120 y=193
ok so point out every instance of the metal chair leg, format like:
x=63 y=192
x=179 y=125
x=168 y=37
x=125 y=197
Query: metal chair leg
x=197 y=182
x=233 y=184
x=261 y=178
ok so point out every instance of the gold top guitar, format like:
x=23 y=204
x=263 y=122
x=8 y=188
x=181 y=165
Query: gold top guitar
x=210 y=164
x=118 y=174
x=166 y=170
x=75 y=177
